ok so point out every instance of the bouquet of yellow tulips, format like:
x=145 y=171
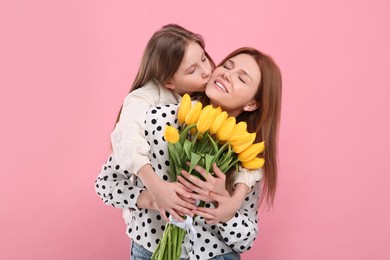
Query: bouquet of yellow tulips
x=208 y=135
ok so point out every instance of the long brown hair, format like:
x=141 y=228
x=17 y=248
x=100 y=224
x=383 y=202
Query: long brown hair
x=264 y=120
x=163 y=55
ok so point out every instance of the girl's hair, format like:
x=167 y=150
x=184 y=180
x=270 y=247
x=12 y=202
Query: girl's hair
x=264 y=120
x=163 y=55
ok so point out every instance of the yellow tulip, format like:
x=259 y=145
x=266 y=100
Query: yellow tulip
x=226 y=128
x=219 y=110
x=219 y=119
x=171 y=134
x=184 y=108
x=251 y=152
x=243 y=142
x=253 y=164
x=206 y=118
x=193 y=114
x=238 y=129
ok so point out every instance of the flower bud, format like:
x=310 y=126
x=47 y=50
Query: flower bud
x=219 y=119
x=193 y=114
x=253 y=164
x=171 y=134
x=206 y=118
x=226 y=129
x=184 y=108
x=251 y=152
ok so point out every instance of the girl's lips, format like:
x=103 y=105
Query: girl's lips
x=220 y=85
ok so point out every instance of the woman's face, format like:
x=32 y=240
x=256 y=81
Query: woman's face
x=233 y=85
x=194 y=71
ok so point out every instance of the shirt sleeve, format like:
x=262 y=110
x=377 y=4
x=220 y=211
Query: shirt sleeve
x=240 y=232
x=115 y=186
x=129 y=146
x=248 y=177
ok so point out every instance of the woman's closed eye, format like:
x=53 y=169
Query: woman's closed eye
x=228 y=65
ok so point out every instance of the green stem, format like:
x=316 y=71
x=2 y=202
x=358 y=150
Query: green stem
x=184 y=133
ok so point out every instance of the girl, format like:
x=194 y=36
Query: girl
x=174 y=63
x=247 y=84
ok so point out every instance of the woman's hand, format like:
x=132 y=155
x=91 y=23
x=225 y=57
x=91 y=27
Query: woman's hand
x=227 y=207
x=202 y=189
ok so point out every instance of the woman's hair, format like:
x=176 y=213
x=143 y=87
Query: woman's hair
x=264 y=120
x=163 y=55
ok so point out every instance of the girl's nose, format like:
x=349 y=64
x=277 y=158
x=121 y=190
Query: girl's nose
x=206 y=70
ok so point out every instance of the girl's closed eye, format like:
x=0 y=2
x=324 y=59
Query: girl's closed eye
x=191 y=70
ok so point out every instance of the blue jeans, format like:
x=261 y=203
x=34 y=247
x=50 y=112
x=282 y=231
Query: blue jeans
x=138 y=252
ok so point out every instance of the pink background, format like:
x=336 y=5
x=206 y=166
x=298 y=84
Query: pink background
x=66 y=66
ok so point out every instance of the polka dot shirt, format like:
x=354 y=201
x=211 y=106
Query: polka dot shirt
x=120 y=188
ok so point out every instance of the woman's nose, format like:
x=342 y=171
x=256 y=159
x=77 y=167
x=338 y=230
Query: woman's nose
x=226 y=75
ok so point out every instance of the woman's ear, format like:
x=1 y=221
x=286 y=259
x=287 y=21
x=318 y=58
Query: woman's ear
x=251 y=106
x=170 y=85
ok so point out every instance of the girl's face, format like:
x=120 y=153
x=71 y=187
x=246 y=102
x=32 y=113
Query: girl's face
x=233 y=85
x=194 y=71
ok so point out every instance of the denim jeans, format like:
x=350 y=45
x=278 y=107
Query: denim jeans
x=138 y=252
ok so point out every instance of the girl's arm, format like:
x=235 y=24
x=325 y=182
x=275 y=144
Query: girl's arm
x=115 y=186
x=129 y=146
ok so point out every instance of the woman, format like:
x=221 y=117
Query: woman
x=247 y=85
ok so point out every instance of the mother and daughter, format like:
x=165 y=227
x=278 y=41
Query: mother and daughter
x=247 y=85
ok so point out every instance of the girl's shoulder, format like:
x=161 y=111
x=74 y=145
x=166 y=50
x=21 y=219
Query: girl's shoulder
x=150 y=87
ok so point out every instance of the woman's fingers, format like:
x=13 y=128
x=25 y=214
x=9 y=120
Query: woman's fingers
x=202 y=171
x=203 y=214
x=200 y=197
x=217 y=197
x=218 y=172
x=189 y=200
x=162 y=213
x=181 y=191
x=175 y=215
x=189 y=185
x=183 y=210
x=206 y=175
x=205 y=187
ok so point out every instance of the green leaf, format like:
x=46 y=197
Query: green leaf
x=195 y=158
x=209 y=160
x=224 y=166
x=174 y=161
x=222 y=149
x=213 y=143
x=187 y=147
x=179 y=149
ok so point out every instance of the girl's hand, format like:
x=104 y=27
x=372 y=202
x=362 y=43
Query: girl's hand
x=226 y=209
x=202 y=189
x=174 y=198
